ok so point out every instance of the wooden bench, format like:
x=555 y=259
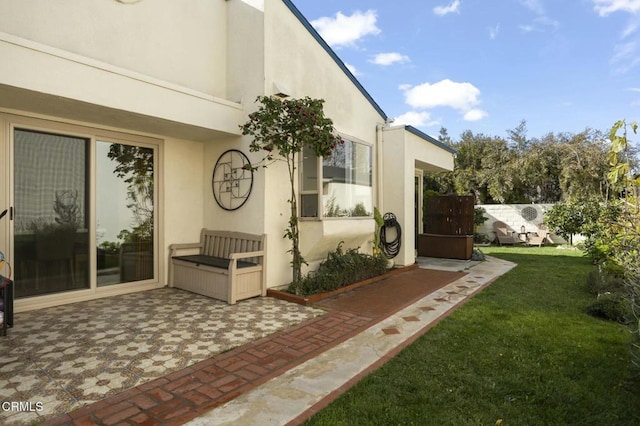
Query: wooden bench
x=229 y=266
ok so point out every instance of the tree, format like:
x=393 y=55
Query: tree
x=443 y=136
x=281 y=128
x=584 y=165
x=518 y=137
x=518 y=170
x=577 y=216
x=135 y=167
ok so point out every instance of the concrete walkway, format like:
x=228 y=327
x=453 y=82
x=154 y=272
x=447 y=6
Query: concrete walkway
x=298 y=393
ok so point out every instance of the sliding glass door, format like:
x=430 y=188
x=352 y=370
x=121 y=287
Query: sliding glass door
x=51 y=239
x=83 y=211
x=124 y=213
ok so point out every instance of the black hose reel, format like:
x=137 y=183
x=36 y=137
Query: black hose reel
x=390 y=248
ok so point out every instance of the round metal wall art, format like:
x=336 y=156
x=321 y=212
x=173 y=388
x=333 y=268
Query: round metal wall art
x=232 y=180
x=529 y=213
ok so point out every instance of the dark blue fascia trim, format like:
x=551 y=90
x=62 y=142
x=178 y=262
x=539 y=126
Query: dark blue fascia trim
x=335 y=57
x=428 y=138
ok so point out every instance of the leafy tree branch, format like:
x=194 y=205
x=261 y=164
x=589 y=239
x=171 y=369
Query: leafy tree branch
x=281 y=128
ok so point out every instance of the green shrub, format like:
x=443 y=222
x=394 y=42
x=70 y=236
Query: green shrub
x=602 y=280
x=341 y=268
x=611 y=306
x=479 y=238
x=478 y=216
x=359 y=210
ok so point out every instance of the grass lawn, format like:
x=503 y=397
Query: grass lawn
x=521 y=352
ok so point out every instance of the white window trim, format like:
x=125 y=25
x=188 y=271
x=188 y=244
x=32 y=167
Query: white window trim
x=318 y=191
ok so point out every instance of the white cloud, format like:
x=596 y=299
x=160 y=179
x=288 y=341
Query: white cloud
x=605 y=7
x=542 y=22
x=493 y=31
x=445 y=10
x=626 y=56
x=390 y=58
x=415 y=118
x=631 y=27
x=353 y=69
x=634 y=89
x=464 y=97
x=624 y=51
x=346 y=30
x=475 y=115
x=461 y=96
x=534 y=5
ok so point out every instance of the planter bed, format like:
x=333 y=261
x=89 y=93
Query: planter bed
x=312 y=298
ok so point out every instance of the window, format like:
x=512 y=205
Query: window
x=344 y=188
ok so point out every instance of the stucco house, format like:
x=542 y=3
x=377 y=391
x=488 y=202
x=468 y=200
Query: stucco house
x=114 y=114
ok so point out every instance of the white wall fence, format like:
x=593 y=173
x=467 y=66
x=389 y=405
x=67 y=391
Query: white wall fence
x=517 y=217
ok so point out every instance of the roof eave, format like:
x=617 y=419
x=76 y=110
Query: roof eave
x=430 y=139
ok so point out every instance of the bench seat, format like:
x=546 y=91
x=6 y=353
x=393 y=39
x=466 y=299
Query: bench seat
x=216 y=262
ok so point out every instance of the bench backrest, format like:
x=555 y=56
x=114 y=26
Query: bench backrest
x=223 y=243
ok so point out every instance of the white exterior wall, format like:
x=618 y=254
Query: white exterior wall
x=153 y=66
x=182 y=42
x=402 y=153
x=398 y=190
x=41 y=79
x=184 y=183
x=294 y=60
x=245 y=64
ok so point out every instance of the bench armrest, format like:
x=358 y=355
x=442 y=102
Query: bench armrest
x=246 y=254
x=175 y=247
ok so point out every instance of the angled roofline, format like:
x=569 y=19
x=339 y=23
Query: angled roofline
x=333 y=55
x=428 y=138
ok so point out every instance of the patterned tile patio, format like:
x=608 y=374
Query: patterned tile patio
x=74 y=355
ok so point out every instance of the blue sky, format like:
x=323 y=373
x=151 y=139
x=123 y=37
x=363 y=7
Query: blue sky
x=479 y=65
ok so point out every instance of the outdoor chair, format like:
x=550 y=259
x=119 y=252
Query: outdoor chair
x=6 y=305
x=504 y=235
x=540 y=237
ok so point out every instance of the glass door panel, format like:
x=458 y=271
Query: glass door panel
x=51 y=241
x=124 y=213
